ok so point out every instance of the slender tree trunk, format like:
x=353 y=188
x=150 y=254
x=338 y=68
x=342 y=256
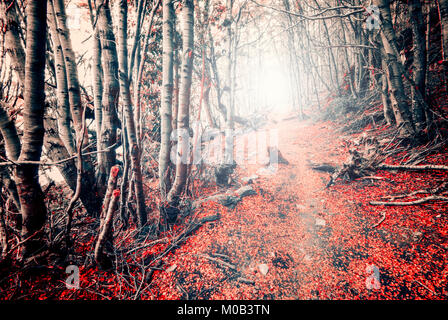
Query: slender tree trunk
x=184 y=100
x=230 y=113
x=333 y=63
x=125 y=183
x=108 y=136
x=9 y=133
x=30 y=194
x=97 y=85
x=294 y=64
x=350 y=71
x=62 y=94
x=125 y=97
x=134 y=63
x=214 y=69
x=429 y=6
x=229 y=20
x=97 y=73
x=4 y=245
x=175 y=106
x=139 y=73
x=12 y=148
x=135 y=51
x=167 y=97
x=104 y=244
x=418 y=26
x=395 y=71
x=54 y=149
x=206 y=97
x=88 y=187
x=12 y=45
x=74 y=90
x=363 y=62
x=387 y=109
x=443 y=10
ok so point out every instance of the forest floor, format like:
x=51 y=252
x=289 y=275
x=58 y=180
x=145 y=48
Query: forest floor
x=293 y=239
x=296 y=239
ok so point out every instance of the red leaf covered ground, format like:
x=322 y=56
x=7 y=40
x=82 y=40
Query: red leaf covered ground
x=317 y=243
x=282 y=226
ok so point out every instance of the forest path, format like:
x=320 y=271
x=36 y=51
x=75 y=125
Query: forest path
x=284 y=227
x=296 y=239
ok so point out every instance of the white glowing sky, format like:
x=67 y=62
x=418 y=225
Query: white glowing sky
x=263 y=84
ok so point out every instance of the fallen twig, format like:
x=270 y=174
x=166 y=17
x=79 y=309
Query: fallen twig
x=412 y=168
x=409 y=203
x=246 y=281
x=381 y=220
x=150 y=273
x=426 y=287
x=372 y=178
x=218 y=261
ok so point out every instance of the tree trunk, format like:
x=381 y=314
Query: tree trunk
x=228 y=67
x=12 y=45
x=167 y=98
x=108 y=137
x=27 y=178
x=62 y=94
x=55 y=151
x=135 y=51
x=175 y=107
x=97 y=85
x=125 y=96
x=395 y=75
x=443 y=10
x=214 y=69
x=74 y=97
x=12 y=150
x=184 y=101
x=139 y=73
x=4 y=245
x=387 y=109
x=74 y=90
x=333 y=63
x=208 y=114
x=418 y=27
x=105 y=238
x=9 y=133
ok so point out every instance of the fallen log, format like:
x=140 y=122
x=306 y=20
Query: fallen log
x=360 y=166
x=324 y=167
x=226 y=199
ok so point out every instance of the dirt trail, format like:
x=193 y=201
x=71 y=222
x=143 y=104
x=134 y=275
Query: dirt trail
x=284 y=227
x=315 y=242
x=297 y=192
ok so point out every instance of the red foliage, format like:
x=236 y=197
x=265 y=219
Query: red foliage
x=114 y=171
x=316 y=242
x=116 y=193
